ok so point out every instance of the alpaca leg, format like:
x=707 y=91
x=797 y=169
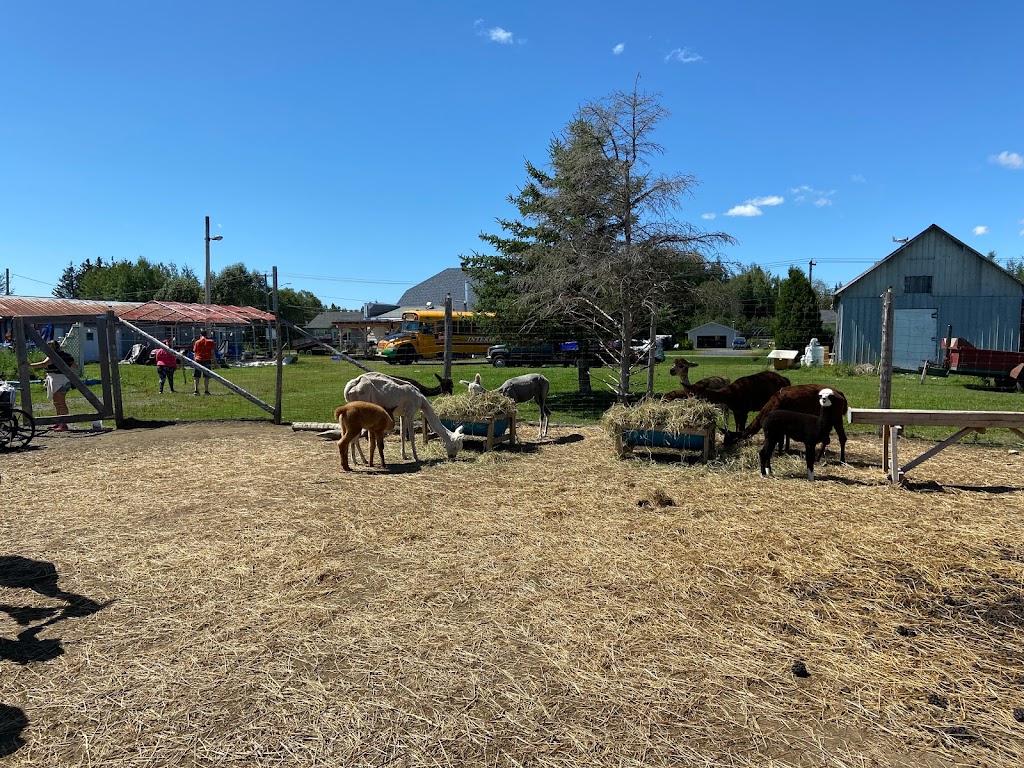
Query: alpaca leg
x=343 y=449
x=380 y=449
x=766 y=458
x=810 y=461
x=412 y=437
x=402 y=426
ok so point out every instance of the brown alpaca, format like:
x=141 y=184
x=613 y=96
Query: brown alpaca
x=356 y=416
x=746 y=394
x=801 y=398
x=681 y=368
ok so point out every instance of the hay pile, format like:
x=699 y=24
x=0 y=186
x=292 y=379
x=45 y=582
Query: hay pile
x=254 y=607
x=466 y=408
x=674 y=417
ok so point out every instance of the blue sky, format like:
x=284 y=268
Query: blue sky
x=361 y=148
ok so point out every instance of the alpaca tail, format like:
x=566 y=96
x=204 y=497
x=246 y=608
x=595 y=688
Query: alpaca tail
x=338 y=412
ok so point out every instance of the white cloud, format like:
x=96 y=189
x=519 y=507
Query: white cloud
x=817 y=197
x=499 y=35
x=980 y=230
x=708 y=216
x=1009 y=160
x=495 y=34
x=767 y=201
x=744 y=210
x=858 y=179
x=618 y=49
x=683 y=56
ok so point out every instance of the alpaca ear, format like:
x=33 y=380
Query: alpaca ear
x=439 y=379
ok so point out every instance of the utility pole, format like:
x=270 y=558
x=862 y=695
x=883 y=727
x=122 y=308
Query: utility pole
x=208 y=239
x=810 y=272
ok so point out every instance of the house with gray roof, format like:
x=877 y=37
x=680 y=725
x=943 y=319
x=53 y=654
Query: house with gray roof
x=433 y=291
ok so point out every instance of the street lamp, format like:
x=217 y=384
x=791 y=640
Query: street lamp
x=208 y=239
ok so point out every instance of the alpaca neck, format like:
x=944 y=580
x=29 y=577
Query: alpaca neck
x=435 y=423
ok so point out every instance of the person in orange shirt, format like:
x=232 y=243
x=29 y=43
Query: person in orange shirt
x=203 y=349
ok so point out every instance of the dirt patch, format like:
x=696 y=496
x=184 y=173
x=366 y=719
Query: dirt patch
x=223 y=594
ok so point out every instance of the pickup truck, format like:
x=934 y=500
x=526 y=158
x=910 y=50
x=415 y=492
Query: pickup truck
x=563 y=353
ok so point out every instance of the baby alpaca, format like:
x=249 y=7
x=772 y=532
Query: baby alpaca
x=804 y=428
x=356 y=416
x=474 y=386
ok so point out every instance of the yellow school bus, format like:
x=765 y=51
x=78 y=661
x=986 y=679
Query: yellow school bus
x=422 y=337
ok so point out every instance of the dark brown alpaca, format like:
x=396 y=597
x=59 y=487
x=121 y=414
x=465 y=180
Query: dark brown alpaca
x=746 y=394
x=802 y=398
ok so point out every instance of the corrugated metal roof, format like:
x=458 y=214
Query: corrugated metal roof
x=180 y=312
x=41 y=306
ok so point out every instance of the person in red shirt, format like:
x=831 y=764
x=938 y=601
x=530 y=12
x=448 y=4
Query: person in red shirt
x=166 y=364
x=203 y=349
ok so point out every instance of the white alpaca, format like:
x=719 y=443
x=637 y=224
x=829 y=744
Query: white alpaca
x=474 y=386
x=404 y=400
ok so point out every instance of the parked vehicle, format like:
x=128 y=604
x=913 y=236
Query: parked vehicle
x=422 y=336
x=563 y=353
x=740 y=342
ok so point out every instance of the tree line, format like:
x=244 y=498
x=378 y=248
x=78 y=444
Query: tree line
x=142 y=281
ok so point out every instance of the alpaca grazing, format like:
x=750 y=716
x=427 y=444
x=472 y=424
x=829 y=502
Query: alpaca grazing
x=802 y=427
x=356 y=416
x=746 y=394
x=404 y=401
x=444 y=386
x=522 y=389
x=801 y=398
x=681 y=368
x=474 y=386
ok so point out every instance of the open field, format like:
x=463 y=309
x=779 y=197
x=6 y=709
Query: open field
x=313 y=387
x=221 y=594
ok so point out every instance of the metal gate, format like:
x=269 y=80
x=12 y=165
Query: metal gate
x=108 y=404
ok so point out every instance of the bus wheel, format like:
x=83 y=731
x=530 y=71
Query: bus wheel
x=406 y=356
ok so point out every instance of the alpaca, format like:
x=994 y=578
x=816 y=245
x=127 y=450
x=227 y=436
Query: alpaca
x=356 y=416
x=521 y=389
x=444 y=386
x=474 y=386
x=802 y=427
x=746 y=394
x=405 y=401
x=801 y=398
x=531 y=386
x=681 y=368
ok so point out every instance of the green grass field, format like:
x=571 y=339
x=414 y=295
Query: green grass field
x=313 y=386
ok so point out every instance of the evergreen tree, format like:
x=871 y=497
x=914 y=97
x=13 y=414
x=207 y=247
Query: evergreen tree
x=797 y=319
x=597 y=246
x=67 y=285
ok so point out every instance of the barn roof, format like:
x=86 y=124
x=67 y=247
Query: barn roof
x=909 y=242
x=180 y=312
x=43 y=306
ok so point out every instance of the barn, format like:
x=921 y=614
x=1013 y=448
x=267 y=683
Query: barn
x=937 y=282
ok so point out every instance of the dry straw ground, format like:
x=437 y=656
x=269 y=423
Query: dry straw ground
x=224 y=595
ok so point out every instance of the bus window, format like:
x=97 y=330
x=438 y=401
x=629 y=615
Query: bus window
x=411 y=326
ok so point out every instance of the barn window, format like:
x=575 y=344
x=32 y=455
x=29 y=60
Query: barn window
x=917 y=284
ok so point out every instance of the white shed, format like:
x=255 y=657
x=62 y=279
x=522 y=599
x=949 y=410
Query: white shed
x=712 y=336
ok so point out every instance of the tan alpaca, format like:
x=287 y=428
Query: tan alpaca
x=356 y=416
